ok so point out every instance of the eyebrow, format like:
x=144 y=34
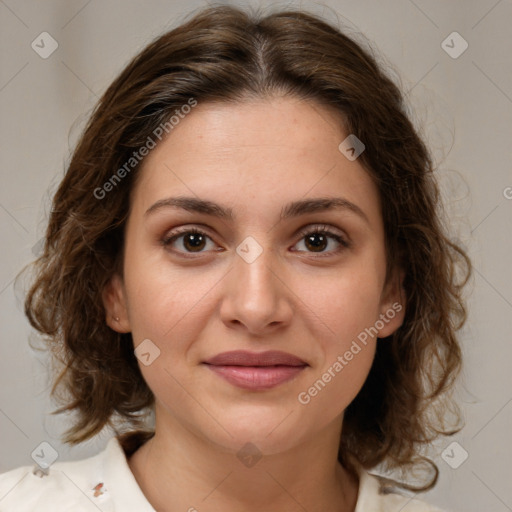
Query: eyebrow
x=290 y=210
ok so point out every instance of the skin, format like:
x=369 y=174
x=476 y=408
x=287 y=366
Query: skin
x=253 y=157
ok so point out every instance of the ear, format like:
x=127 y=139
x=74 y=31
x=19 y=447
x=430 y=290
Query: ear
x=392 y=305
x=114 y=301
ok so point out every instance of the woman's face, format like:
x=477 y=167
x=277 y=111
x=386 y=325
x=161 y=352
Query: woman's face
x=254 y=281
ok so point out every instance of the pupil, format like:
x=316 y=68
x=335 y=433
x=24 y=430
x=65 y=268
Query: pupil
x=196 y=240
x=316 y=245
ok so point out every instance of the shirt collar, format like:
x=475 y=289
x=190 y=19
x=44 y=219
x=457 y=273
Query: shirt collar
x=120 y=482
x=127 y=495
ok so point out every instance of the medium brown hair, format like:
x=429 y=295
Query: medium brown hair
x=225 y=54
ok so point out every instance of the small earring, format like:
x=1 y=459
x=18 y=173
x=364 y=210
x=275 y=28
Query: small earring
x=116 y=318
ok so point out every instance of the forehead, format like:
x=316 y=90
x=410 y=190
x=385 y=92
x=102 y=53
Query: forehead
x=255 y=156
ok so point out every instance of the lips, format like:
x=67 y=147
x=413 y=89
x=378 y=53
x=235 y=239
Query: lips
x=256 y=371
x=244 y=358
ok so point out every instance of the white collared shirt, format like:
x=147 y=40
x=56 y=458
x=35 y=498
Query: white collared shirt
x=105 y=483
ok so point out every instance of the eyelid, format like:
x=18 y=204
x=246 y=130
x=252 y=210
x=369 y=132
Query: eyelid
x=324 y=228
x=183 y=230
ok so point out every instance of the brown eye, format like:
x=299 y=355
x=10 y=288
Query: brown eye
x=193 y=240
x=317 y=240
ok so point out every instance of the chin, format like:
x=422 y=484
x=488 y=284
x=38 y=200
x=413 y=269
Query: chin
x=270 y=432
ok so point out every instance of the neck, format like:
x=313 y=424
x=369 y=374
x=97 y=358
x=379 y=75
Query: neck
x=178 y=470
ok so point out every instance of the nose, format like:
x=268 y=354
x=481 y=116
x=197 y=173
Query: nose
x=256 y=296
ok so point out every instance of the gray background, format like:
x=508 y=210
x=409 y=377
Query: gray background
x=462 y=105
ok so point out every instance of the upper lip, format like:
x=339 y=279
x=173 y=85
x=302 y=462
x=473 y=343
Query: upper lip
x=245 y=358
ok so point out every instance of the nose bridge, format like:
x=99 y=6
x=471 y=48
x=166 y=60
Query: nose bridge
x=255 y=295
x=254 y=266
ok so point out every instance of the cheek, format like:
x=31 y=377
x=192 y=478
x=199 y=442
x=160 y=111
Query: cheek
x=347 y=356
x=346 y=306
x=341 y=303
x=337 y=383
x=164 y=299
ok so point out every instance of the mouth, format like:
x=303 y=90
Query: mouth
x=256 y=371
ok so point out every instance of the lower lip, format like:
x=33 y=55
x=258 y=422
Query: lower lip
x=256 y=377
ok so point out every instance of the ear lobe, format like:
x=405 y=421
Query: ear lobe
x=392 y=307
x=114 y=301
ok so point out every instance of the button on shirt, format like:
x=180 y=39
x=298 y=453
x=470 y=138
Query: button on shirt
x=105 y=483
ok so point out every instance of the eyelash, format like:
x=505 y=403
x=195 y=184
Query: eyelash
x=324 y=230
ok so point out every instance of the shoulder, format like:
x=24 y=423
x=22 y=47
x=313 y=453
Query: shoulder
x=372 y=497
x=67 y=484
x=102 y=482
x=63 y=486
